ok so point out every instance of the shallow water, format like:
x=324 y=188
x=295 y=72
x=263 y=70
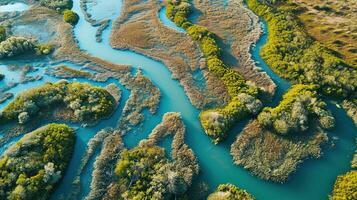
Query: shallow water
x=312 y=181
x=14 y=7
x=38 y=31
x=103 y=9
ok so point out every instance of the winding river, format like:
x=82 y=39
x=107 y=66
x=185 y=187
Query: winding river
x=312 y=181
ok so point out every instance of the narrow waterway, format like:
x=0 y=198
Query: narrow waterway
x=312 y=181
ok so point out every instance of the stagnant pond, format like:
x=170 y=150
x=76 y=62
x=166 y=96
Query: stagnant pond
x=312 y=181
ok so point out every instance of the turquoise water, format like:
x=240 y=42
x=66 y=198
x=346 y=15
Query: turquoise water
x=312 y=181
x=282 y=84
x=14 y=7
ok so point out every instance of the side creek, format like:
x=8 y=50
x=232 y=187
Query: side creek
x=313 y=180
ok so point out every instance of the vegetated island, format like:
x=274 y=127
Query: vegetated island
x=273 y=145
x=229 y=191
x=346 y=185
x=76 y=102
x=31 y=168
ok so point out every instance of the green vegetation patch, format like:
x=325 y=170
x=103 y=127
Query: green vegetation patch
x=230 y=192
x=14 y=46
x=271 y=156
x=32 y=167
x=273 y=145
x=82 y=102
x=145 y=173
x=216 y=122
x=294 y=55
x=2 y=76
x=2 y=33
x=345 y=187
x=299 y=107
x=70 y=17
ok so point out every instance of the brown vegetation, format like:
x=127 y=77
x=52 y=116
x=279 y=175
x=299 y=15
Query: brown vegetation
x=273 y=157
x=176 y=50
x=333 y=24
x=238 y=29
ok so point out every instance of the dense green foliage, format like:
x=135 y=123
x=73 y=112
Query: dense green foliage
x=345 y=187
x=217 y=122
x=2 y=33
x=70 y=17
x=44 y=49
x=13 y=46
x=57 y=4
x=294 y=55
x=136 y=170
x=178 y=11
x=299 y=107
x=30 y=168
x=145 y=173
x=85 y=102
x=230 y=192
x=2 y=76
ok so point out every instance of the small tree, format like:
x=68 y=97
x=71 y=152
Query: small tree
x=70 y=17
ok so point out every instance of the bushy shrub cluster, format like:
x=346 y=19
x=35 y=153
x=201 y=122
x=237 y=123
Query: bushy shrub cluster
x=216 y=122
x=13 y=46
x=137 y=169
x=145 y=173
x=70 y=17
x=31 y=167
x=230 y=192
x=294 y=55
x=57 y=4
x=88 y=103
x=300 y=106
x=44 y=49
x=345 y=187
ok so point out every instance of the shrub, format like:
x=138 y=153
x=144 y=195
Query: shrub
x=70 y=17
x=13 y=46
x=230 y=192
x=31 y=167
x=294 y=113
x=216 y=122
x=2 y=76
x=294 y=55
x=93 y=103
x=44 y=49
x=57 y=4
x=345 y=187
